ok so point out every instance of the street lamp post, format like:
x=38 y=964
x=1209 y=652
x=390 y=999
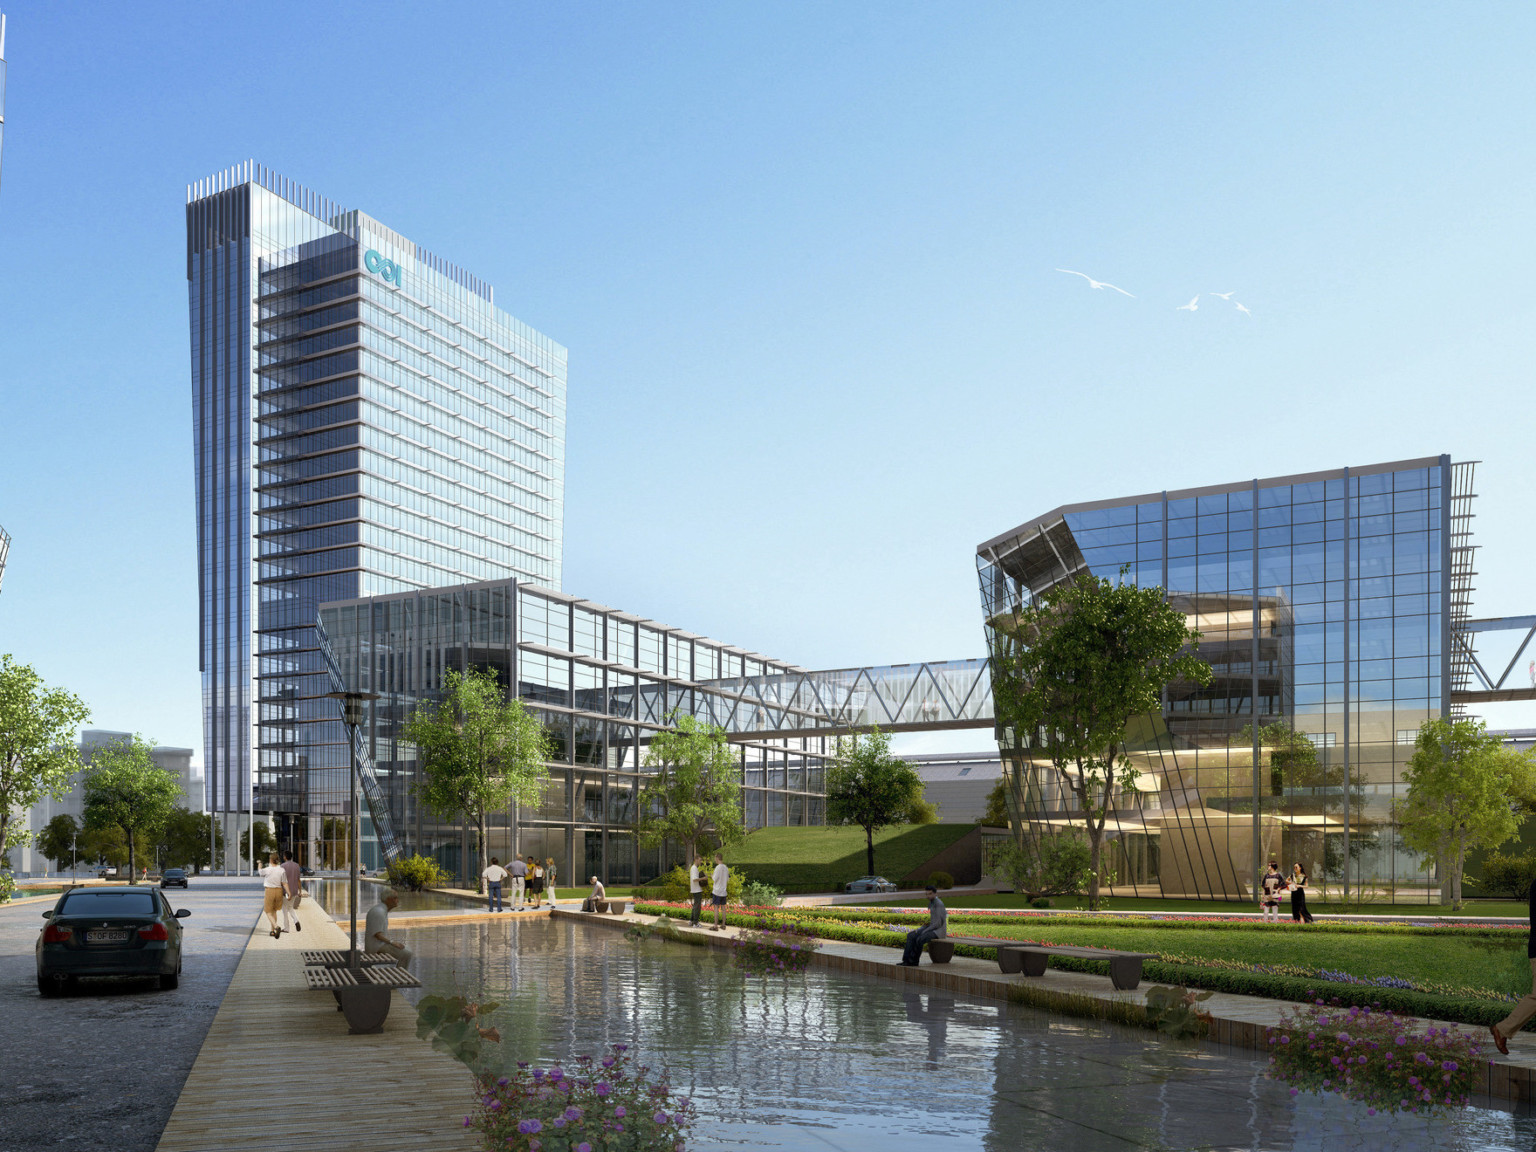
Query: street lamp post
x=352 y=715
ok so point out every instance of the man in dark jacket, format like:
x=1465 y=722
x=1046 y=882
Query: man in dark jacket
x=936 y=929
x=1526 y=1008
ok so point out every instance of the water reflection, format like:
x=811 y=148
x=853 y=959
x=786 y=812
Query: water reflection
x=838 y=1061
x=332 y=894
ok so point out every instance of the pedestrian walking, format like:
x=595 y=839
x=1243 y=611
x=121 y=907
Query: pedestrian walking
x=293 y=893
x=696 y=890
x=536 y=880
x=493 y=875
x=1299 y=911
x=936 y=929
x=272 y=893
x=519 y=872
x=377 y=924
x=549 y=880
x=719 y=886
x=1270 y=888
x=1526 y=1008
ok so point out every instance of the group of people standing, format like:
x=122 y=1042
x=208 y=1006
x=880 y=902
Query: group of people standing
x=527 y=876
x=1274 y=883
x=719 y=882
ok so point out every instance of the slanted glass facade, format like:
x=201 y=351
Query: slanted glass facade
x=602 y=681
x=1326 y=605
x=366 y=422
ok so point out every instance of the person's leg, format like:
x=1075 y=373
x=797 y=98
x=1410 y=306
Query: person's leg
x=287 y=913
x=1518 y=1018
x=517 y=893
x=698 y=909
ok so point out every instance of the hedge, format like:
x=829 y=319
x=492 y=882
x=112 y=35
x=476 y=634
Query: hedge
x=1292 y=988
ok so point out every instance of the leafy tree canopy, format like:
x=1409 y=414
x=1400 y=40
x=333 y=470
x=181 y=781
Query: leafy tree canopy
x=125 y=788
x=38 y=756
x=869 y=788
x=694 y=797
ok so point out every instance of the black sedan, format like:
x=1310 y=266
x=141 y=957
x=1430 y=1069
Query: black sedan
x=109 y=932
x=173 y=878
x=869 y=884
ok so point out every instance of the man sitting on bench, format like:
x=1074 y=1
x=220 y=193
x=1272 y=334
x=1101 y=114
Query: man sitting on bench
x=936 y=929
x=598 y=893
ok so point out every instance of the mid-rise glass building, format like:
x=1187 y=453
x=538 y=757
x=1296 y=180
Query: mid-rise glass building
x=366 y=422
x=1327 y=605
x=602 y=681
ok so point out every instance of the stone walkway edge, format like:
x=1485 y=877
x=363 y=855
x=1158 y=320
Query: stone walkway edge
x=1236 y=1020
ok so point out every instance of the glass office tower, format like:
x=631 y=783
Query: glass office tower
x=1327 y=605
x=603 y=682
x=366 y=421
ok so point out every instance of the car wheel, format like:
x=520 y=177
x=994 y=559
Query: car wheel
x=169 y=982
x=51 y=986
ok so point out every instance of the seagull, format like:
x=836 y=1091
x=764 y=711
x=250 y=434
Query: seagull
x=1243 y=308
x=1192 y=306
x=1223 y=295
x=1095 y=283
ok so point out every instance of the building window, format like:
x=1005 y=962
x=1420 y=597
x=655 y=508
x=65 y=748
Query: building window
x=1323 y=739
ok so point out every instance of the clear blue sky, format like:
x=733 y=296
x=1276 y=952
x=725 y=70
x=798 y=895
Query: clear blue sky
x=802 y=256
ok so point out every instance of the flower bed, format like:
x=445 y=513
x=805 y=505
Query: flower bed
x=1375 y=1057
x=599 y=1105
x=773 y=946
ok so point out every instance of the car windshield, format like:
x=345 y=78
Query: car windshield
x=108 y=904
x=173 y=872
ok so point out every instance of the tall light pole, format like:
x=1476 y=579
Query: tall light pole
x=352 y=715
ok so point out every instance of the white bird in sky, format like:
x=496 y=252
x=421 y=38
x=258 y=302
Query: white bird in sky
x=1243 y=308
x=1223 y=295
x=1096 y=283
x=1192 y=306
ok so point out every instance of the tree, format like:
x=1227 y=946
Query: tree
x=695 y=797
x=38 y=757
x=105 y=845
x=1056 y=864
x=258 y=843
x=996 y=815
x=184 y=837
x=479 y=750
x=870 y=788
x=1463 y=787
x=921 y=811
x=1071 y=670
x=57 y=841
x=126 y=789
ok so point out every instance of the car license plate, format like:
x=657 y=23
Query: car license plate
x=106 y=937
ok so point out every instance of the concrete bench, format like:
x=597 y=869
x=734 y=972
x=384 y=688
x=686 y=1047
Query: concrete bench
x=365 y=994
x=1032 y=959
x=337 y=958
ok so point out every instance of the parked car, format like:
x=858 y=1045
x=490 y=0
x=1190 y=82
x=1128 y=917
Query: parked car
x=109 y=932
x=107 y=874
x=869 y=884
x=173 y=878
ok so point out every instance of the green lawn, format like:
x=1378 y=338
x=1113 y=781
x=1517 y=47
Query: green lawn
x=1492 y=964
x=1127 y=904
x=824 y=859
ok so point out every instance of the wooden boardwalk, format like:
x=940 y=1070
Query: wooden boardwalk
x=279 y=1072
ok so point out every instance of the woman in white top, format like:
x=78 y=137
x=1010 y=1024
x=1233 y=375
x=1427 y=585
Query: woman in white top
x=272 y=893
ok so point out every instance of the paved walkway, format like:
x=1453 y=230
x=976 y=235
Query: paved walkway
x=1240 y=1021
x=279 y=1072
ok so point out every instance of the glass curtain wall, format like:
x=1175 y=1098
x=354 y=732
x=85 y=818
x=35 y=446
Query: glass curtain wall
x=1323 y=604
x=602 y=682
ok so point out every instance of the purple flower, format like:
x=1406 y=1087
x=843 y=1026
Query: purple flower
x=572 y=1113
x=583 y=1147
x=466 y=1121
x=558 y=1122
x=529 y=1127
x=556 y=1073
x=661 y=1117
x=620 y=1112
x=621 y=1047
x=538 y=1073
x=607 y=1061
x=603 y=1089
x=503 y=1082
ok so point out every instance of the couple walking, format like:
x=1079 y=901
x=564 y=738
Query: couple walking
x=1274 y=883
x=718 y=881
x=529 y=874
x=281 y=889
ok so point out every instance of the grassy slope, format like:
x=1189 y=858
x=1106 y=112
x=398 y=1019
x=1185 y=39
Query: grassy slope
x=823 y=859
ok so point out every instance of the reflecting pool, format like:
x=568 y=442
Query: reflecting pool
x=840 y=1061
x=332 y=894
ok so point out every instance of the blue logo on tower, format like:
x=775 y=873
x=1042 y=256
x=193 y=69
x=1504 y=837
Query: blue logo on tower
x=386 y=270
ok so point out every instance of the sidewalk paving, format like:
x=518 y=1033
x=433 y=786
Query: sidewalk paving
x=1240 y=1021
x=279 y=1072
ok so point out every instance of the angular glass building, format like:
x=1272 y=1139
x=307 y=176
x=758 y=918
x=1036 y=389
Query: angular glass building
x=1331 y=607
x=366 y=422
x=603 y=682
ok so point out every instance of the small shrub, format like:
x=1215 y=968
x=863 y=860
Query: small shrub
x=1375 y=1057
x=673 y=886
x=415 y=873
x=607 y=1103
x=770 y=946
x=755 y=894
x=1503 y=875
x=941 y=879
x=1174 y=1011
x=1041 y=902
